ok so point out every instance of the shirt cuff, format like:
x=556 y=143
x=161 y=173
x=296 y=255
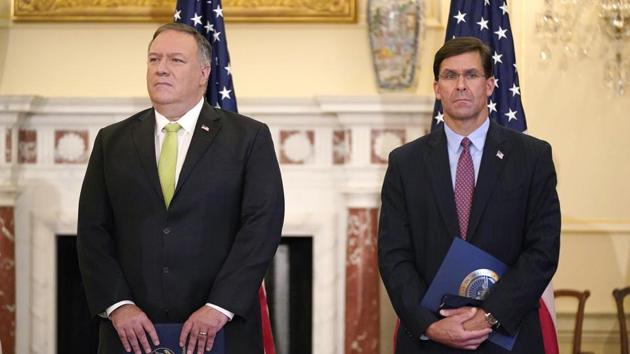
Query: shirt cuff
x=109 y=310
x=230 y=315
x=423 y=337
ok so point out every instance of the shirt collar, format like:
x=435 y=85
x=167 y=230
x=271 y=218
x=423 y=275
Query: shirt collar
x=187 y=121
x=477 y=137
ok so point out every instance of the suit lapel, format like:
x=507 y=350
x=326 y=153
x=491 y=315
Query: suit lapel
x=143 y=135
x=208 y=125
x=495 y=155
x=437 y=160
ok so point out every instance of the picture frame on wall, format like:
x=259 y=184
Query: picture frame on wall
x=314 y=11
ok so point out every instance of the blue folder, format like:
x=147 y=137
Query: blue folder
x=461 y=260
x=168 y=333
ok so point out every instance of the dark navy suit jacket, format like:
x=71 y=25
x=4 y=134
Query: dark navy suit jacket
x=515 y=216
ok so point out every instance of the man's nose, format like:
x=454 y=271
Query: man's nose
x=162 y=67
x=461 y=83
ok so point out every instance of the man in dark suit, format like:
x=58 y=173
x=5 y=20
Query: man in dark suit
x=180 y=213
x=474 y=179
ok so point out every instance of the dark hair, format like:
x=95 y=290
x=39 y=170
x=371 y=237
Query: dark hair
x=204 y=49
x=461 y=45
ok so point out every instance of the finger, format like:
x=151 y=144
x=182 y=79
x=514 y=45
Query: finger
x=471 y=347
x=456 y=311
x=124 y=340
x=446 y=313
x=142 y=338
x=201 y=342
x=150 y=329
x=472 y=335
x=464 y=338
x=131 y=336
x=192 y=340
x=184 y=335
x=210 y=342
x=467 y=314
x=475 y=342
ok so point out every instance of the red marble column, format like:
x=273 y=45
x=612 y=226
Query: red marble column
x=7 y=280
x=362 y=286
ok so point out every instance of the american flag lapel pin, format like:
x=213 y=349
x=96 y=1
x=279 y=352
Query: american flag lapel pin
x=205 y=127
x=500 y=155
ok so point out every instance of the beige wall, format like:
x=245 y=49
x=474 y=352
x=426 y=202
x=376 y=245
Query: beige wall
x=587 y=126
x=568 y=106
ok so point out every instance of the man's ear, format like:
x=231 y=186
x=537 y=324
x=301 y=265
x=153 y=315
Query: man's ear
x=205 y=73
x=436 y=90
x=490 y=86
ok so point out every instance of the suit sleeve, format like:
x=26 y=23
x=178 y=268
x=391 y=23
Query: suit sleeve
x=256 y=241
x=396 y=256
x=519 y=290
x=103 y=278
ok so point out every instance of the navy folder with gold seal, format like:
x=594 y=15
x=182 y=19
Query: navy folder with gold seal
x=168 y=333
x=470 y=272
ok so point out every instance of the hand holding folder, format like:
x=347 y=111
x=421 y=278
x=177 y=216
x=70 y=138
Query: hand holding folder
x=466 y=268
x=168 y=333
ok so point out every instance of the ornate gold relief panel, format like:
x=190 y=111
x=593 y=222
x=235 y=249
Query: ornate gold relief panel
x=162 y=10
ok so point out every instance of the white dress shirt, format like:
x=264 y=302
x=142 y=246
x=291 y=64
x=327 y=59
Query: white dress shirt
x=188 y=122
x=454 y=141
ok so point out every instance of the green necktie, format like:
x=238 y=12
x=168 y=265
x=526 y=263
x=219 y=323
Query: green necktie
x=168 y=162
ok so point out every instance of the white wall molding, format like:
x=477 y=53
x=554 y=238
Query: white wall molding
x=595 y=226
x=598 y=328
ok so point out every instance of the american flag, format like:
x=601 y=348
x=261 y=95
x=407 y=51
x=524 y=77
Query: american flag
x=207 y=18
x=488 y=20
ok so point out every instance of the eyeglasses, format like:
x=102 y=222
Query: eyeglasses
x=469 y=76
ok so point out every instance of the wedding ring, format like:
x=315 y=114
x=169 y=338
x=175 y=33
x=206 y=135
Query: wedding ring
x=203 y=333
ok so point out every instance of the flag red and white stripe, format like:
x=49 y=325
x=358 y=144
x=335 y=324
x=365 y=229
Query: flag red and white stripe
x=268 y=343
x=547 y=314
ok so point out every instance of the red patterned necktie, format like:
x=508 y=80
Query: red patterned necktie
x=464 y=186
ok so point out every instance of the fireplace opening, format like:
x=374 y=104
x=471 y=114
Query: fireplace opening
x=289 y=286
x=77 y=331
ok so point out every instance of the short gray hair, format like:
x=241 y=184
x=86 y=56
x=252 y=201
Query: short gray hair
x=204 y=49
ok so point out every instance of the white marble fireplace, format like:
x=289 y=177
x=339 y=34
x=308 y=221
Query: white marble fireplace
x=333 y=153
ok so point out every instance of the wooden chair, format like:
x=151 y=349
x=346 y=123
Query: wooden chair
x=581 y=297
x=619 y=295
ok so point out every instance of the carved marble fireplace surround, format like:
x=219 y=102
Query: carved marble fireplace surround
x=333 y=154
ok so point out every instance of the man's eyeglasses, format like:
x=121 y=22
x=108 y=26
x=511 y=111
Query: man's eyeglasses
x=469 y=76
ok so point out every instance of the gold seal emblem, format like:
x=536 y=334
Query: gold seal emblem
x=162 y=351
x=477 y=284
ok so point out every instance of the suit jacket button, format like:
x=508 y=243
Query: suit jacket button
x=165 y=270
x=166 y=231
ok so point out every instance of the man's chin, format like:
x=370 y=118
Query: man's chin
x=160 y=98
x=461 y=114
x=464 y=116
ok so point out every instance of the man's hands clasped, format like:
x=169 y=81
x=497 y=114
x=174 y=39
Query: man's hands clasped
x=462 y=328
